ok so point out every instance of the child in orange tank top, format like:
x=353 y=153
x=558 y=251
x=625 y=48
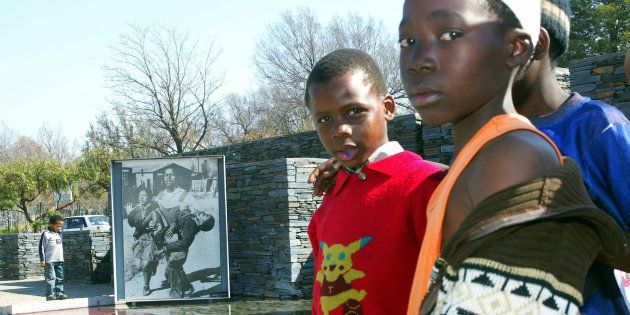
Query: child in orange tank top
x=458 y=62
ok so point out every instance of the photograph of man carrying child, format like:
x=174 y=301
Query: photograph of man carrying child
x=171 y=240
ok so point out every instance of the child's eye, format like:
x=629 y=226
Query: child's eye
x=355 y=111
x=355 y=115
x=323 y=120
x=450 y=35
x=406 y=42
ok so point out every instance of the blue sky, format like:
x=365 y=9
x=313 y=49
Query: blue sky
x=52 y=51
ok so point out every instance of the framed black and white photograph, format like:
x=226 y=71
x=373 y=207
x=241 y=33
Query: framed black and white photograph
x=170 y=228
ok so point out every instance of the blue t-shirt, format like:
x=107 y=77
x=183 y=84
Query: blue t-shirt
x=597 y=136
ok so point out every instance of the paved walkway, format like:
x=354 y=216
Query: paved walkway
x=18 y=296
x=32 y=290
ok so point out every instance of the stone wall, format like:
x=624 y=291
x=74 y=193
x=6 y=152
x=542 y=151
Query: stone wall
x=19 y=257
x=87 y=256
x=564 y=78
x=269 y=208
x=9 y=264
x=602 y=78
x=438 y=143
x=306 y=144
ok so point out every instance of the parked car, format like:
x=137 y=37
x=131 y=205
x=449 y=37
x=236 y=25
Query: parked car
x=96 y=223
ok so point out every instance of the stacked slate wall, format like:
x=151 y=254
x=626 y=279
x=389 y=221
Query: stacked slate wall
x=19 y=257
x=9 y=264
x=269 y=208
x=87 y=256
x=602 y=78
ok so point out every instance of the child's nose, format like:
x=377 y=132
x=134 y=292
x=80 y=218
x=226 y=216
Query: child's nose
x=342 y=129
x=422 y=59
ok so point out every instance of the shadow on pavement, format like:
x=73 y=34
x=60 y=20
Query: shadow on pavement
x=30 y=287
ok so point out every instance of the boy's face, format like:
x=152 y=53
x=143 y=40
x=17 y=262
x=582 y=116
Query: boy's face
x=350 y=118
x=56 y=226
x=142 y=197
x=169 y=178
x=452 y=58
x=201 y=217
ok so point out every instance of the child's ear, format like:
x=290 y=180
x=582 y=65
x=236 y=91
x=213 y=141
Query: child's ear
x=389 y=105
x=520 y=48
x=543 y=45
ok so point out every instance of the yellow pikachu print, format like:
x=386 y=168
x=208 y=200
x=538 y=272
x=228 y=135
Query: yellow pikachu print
x=336 y=276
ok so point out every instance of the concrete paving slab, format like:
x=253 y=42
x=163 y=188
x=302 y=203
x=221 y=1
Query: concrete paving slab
x=27 y=296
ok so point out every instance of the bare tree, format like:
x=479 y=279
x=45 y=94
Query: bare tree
x=7 y=138
x=291 y=47
x=26 y=147
x=370 y=35
x=163 y=83
x=284 y=58
x=115 y=131
x=55 y=143
x=243 y=118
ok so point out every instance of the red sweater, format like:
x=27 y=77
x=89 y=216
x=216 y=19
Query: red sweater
x=366 y=236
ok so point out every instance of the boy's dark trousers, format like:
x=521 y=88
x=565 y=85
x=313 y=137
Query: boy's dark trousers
x=54 y=278
x=175 y=274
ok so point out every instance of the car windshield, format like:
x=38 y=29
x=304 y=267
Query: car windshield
x=74 y=223
x=99 y=220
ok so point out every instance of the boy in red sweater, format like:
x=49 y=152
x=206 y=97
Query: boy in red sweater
x=366 y=234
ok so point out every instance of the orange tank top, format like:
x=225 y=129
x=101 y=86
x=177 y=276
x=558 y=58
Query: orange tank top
x=431 y=244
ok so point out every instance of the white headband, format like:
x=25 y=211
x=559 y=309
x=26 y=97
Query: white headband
x=528 y=13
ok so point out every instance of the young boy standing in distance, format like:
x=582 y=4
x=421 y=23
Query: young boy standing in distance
x=515 y=221
x=51 y=258
x=367 y=232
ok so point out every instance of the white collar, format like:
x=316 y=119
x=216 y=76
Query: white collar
x=384 y=151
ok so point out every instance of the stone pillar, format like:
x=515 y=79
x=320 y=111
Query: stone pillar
x=88 y=256
x=269 y=207
x=101 y=257
x=9 y=263
x=28 y=256
x=77 y=256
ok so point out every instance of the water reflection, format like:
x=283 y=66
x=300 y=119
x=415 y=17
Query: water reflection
x=255 y=307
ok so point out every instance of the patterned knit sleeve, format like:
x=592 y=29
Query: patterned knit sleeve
x=539 y=266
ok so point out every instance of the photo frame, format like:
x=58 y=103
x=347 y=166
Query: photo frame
x=169 y=229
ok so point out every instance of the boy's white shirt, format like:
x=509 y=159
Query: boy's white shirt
x=51 y=246
x=384 y=151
